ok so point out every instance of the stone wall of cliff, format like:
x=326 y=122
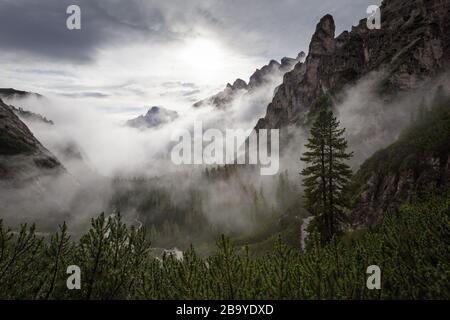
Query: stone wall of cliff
x=412 y=46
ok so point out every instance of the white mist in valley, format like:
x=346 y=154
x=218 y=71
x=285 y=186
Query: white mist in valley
x=96 y=147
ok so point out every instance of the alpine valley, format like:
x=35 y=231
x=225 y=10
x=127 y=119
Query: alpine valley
x=363 y=180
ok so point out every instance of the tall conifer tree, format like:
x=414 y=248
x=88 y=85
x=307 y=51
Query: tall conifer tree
x=326 y=175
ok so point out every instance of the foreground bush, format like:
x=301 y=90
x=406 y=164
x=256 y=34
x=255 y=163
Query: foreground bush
x=116 y=262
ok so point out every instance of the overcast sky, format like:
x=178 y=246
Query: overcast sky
x=135 y=53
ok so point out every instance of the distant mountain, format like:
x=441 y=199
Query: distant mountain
x=22 y=156
x=10 y=93
x=257 y=80
x=224 y=97
x=155 y=117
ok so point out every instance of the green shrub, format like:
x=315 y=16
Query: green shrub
x=410 y=247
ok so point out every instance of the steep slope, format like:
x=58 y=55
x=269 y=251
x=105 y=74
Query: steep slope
x=412 y=45
x=22 y=156
x=417 y=161
x=30 y=116
x=224 y=97
x=14 y=96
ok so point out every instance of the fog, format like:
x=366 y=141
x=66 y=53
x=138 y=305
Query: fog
x=96 y=147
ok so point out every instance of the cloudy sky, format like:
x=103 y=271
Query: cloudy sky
x=135 y=53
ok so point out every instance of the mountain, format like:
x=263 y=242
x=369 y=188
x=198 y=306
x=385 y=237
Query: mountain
x=155 y=117
x=412 y=46
x=31 y=116
x=262 y=76
x=22 y=156
x=409 y=52
x=10 y=93
x=257 y=80
x=224 y=97
x=418 y=162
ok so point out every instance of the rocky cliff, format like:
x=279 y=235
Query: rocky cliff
x=413 y=45
x=411 y=49
x=22 y=156
x=417 y=163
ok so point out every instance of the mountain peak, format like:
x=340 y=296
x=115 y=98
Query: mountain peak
x=153 y=109
x=273 y=63
x=322 y=41
x=259 y=78
x=239 y=84
x=155 y=117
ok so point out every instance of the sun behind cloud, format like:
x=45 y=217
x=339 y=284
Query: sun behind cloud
x=206 y=56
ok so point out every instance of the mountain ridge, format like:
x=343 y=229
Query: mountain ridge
x=411 y=46
x=21 y=154
x=258 y=79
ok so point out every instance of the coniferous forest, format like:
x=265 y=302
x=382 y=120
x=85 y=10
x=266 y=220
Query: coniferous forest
x=410 y=247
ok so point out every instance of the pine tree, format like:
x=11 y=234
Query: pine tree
x=326 y=175
x=57 y=252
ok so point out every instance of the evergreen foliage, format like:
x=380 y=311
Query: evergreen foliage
x=326 y=175
x=410 y=247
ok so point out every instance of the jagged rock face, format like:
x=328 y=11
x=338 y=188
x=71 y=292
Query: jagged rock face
x=155 y=117
x=417 y=162
x=22 y=156
x=224 y=97
x=238 y=85
x=386 y=192
x=412 y=45
x=258 y=79
x=260 y=76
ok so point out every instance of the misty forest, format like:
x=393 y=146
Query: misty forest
x=363 y=179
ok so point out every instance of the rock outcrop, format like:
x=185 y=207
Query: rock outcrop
x=154 y=118
x=413 y=45
x=22 y=156
x=418 y=162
